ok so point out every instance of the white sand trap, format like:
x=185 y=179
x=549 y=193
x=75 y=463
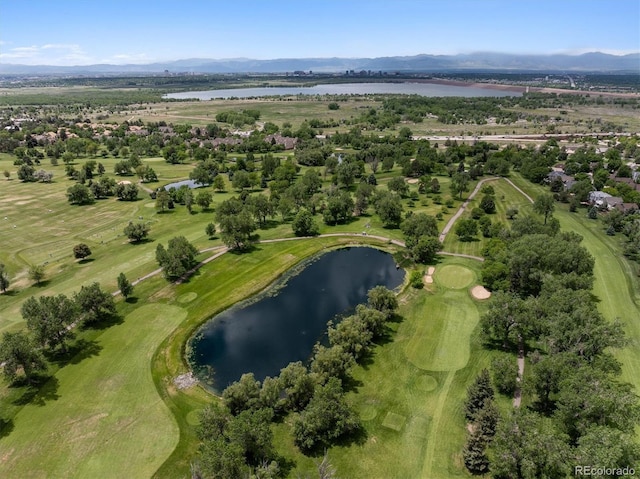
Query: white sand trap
x=431 y=270
x=480 y=292
x=412 y=181
x=428 y=279
x=124 y=182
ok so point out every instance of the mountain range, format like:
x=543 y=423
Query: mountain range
x=587 y=62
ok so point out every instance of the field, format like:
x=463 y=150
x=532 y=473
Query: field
x=110 y=407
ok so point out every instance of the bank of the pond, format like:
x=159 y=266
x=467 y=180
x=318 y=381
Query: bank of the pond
x=282 y=324
x=214 y=288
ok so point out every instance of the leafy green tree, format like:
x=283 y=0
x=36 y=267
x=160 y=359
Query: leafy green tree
x=210 y=230
x=50 y=320
x=544 y=205
x=511 y=212
x=26 y=173
x=218 y=183
x=126 y=192
x=459 y=184
x=339 y=207
x=478 y=394
x=242 y=395
x=607 y=446
x=162 y=200
x=297 y=387
x=187 y=198
x=260 y=207
x=333 y=362
x=353 y=335
x=527 y=447
x=79 y=194
x=221 y=459
x=7 y=174
x=374 y=319
x=95 y=304
x=505 y=374
x=389 y=208
x=205 y=172
x=18 y=352
x=399 y=186
x=125 y=286
x=326 y=418
x=81 y=251
x=236 y=229
x=203 y=199
x=417 y=226
x=178 y=258
x=36 y=273
x=488 y=204
x=507 y=318
x=383 y=300
x=466 y=229
x=304 y=224
x=136 y=232
x=251 y=429
x=4 y=278
x=426 y=249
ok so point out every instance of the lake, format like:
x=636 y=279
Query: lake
x=282 y=325
x=423 y=89
x=190 y=183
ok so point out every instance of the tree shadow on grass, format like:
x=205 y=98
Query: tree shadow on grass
x=106 y=323
x=42 y=284
x=6 y=427
x=131 y=300
x=79 y=351
x=86 y=260
x=39 y=392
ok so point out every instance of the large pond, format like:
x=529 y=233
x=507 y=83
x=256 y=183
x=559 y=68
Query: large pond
x=423 y=89
x=265 y=334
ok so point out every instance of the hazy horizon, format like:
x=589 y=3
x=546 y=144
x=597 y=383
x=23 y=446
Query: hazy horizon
x=76 y=33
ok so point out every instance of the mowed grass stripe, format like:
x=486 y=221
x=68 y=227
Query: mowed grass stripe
x=101 y=417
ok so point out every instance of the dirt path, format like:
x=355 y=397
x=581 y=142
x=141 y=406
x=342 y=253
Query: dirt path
x=517 y=395
x=464 y=205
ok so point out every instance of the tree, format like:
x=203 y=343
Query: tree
x=4 y=278
x=205 y=172
x=36 y=273
x=136 y=232
x=18 y=352
x=389 y=207
x=506 y=319
x=7 y=174
x=466 y=229
x=352 y=334
x=203 y=199
x=417 y=226
x=544 y=205
x=326 y=418
x=478 y=394
x=210 y=230
x=459 y=184
x=178 y=258
x=162 y=200
x=26 y=173
x=333 y=362
x=126 y=191
x=81 y=251
x=236 y=229
x=398 y=185
x=505 y=374
x=304 y=224
x=125 y=286
x=511 y=212
x=297 y=387
x=488 y=204
x=187 y=198
x=79 y=194
x=49 y=318
x=242 y=395
x=474 y=453
x=95 y=304
x=339 y=208
x=383 y=300
x=426 y=249
x=218 y=183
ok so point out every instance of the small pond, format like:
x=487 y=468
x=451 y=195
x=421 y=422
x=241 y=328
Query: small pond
x=266 y=333
x=190 y=183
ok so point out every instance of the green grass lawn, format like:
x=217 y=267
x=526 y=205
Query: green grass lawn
x=100 y=417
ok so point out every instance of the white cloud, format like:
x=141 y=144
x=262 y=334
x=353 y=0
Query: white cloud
x=48 y=54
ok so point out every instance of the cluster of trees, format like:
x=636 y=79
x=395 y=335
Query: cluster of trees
x=541 y=279
x=236 y=437
x=177 y=258
x=50 y=324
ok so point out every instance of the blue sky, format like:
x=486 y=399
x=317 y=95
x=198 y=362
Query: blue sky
x=74 y=32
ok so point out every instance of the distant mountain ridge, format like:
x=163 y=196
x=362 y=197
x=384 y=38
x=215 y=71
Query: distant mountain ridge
x=587 y=62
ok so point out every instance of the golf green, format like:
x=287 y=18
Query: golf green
x=454 y=277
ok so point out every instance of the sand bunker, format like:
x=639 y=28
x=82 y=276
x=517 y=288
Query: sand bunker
x=480 y=292
x=412 y=181
x=428 y=278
